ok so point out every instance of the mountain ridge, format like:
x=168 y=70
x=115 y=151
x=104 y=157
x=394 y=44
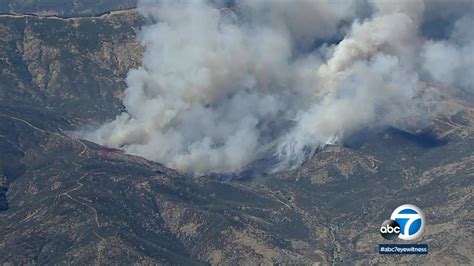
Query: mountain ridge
x=71 y=201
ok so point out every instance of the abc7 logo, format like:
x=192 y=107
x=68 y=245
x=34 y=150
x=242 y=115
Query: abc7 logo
x=407 y=222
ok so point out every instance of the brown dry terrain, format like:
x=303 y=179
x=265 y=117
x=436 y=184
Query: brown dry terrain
x=69 y=201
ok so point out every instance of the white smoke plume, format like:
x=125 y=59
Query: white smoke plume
x=220 y=85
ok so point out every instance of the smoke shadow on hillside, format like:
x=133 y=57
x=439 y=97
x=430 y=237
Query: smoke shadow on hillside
x=425 y=139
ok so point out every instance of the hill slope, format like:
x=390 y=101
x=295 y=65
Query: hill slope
x=68 y=201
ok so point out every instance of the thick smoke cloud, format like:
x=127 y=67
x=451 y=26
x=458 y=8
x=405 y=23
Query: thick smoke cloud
x=220 y=86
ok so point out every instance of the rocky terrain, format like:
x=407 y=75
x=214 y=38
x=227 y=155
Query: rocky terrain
x=68 y=201
x=64 y=8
